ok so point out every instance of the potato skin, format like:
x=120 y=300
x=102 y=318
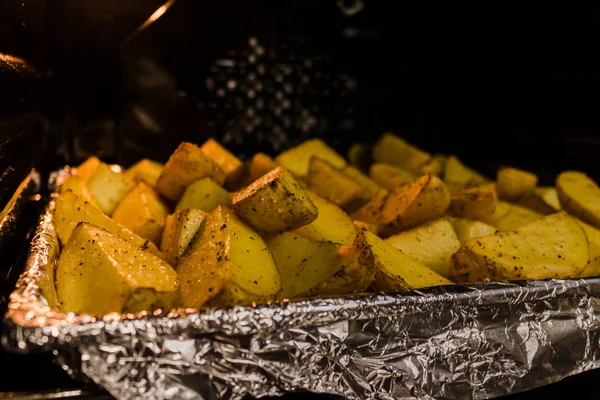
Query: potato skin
x=474 y=204
x=334 y=185
x=275 y=202
x=513 y=183
x=580 y=196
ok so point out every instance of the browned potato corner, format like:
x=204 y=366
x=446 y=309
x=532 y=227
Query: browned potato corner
x=513 y=183
x=229 y=163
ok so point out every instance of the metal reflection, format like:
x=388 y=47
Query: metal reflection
x=160 y=11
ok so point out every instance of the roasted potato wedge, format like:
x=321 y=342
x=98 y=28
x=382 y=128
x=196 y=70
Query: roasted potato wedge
x=70 y=210
x=391 y=149
x=579 y=195
x=275 y=202
x=146 y=171
x=467 y=229
x=513 y=183
x=474 y=204
x=389 y=176
x=511 y=216
x=368 y=186
x=554 y=246
x=303 y=263
x=592 y=269
x=227 y=258
x=394 y=269
x=373 y=228
x=260 y=165
x=432 y=244
x=542 y=201
x=333 y=185
x=371 y=212
x=355 y=276
x=88 y=168
x=98 y=273
x=109 y=188
x=332 y=225
x=425 y=199
x=142 y=212
x=456 y=173
x=180 y=228
x=297 y=159
x=358 y=156
x=230 y=164
x=186 y=165
x=204 y=194
x=77 y=185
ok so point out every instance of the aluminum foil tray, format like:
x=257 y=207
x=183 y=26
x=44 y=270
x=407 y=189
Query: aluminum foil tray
x=459 y=342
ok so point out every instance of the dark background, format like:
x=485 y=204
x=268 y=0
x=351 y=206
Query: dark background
x=494 y=85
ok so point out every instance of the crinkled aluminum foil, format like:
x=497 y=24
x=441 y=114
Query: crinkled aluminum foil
x=464 y=342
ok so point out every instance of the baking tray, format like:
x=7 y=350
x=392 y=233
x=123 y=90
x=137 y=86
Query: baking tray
x=473 y=341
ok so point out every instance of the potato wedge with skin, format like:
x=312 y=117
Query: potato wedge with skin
x=98 y=273
x=391 y=149
x=513 y=183
x=555 y=246
x=371 y=212
x=303 y=263
x=146 y=171
x=332 y=224
x=229 y=163
x=70 y=210
x=260 y=165
x=536 y=203
x=467 y=229
x=185 y=166
x=180 y=228
x=432 y=244
x=297 y=159
x=88 y=168
x=109 y=188
x=78 y=186
x=579 y=195
x=511 y=216
x=275 y=202
x=389 y=176
x=227 y=255
x=394 y=269
x=358 y=156
x=457 y=173
x=204 y=194
x=142 y=212
x=368 y=186
x=473 y=204
x=355 y=276
x=334 y=185
x=550 y=197
x=592 y=269
x=373 y=228
x=425 y=199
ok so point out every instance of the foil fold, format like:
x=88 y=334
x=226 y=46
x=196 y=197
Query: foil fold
x=460 y=342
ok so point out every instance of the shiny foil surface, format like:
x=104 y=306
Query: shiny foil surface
x=459 y=342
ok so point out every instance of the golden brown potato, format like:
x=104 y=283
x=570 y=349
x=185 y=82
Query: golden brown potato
x=579 y=195
x=368 y=186
x=332 y=225
x=457 y=173
x=407 y=206
x=275 y=202
x=592 y=269
x=389 y=176
x=371 y=212
x=186 y=165
x=303 y=263
x=146 y=171
x=204 y=194
x=432 y=244
x=467 y=229
x=109 y=188
x=230 y=164
x=355 y=276
x=391 y=149
x=142 y=212
x=88 y=168
x=473 y=204
x=511 y=216
x=394 y=269
x=373 y=228
x=180 y=228
x=334 y=185
x=555 y=246
x=78 y=186
x=358 y=156
x=261 y=164
x=70 y=210
x=98 y=273
x=534 y=201
x=297 y=159
x=227 y=258
x=513 y=183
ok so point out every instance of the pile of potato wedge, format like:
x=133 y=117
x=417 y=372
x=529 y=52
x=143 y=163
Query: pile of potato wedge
x=208 y=230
